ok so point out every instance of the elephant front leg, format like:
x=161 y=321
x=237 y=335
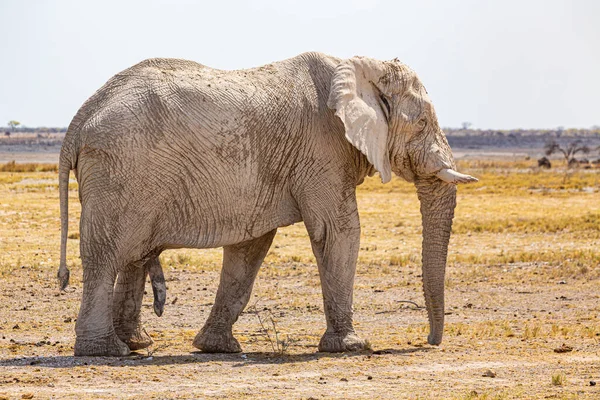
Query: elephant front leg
x=241 y=263
x=335 y=246
x=127 y=306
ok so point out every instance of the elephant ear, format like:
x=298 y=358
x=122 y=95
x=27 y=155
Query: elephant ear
x=355 y=99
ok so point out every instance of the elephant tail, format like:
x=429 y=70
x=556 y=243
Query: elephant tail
x=67 y=162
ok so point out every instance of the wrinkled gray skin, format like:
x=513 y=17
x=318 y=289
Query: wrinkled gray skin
x=171 y=153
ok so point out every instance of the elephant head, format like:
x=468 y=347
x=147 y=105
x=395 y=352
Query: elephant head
x=388 y=116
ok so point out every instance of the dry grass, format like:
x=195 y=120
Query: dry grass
x=12 y=166
x=524 y=265
x=559 y=380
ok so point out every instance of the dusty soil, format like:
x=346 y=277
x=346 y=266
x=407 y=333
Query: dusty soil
x=508 y=330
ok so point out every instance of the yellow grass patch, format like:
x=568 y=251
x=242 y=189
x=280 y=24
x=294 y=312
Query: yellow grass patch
x=522 y=279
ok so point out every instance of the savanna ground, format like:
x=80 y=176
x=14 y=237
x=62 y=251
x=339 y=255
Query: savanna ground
x=522 y=280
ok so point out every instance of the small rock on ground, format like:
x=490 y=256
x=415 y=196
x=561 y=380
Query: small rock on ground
x=563 y=349
x=489 y=374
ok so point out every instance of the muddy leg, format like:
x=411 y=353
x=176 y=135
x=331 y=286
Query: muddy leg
x=127 y=306
x=241 y=263
x=94 y=328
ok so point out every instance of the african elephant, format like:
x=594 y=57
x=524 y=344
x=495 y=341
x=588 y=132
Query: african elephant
x=171 y=153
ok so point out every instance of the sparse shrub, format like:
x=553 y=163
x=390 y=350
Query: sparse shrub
x=544 y=163
x=403 y=260
x=568 y=152
x=183 y=259
x=559 y=380
x=150 y=351
x=508 y=330
x=268 y=326
x=532 y=332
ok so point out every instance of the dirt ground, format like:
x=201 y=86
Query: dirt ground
x=486 y=330
x=522 y=307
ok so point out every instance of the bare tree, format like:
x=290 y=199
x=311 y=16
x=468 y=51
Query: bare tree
x=568 y=152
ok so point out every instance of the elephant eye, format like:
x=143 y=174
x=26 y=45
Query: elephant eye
x=421 y=124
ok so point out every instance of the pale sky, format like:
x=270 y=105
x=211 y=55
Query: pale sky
x=497 y=64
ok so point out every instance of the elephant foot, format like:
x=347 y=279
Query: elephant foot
x=136 y=339
x=217 y=342
x=338 y=343
x=110 y=346
x=434 y=339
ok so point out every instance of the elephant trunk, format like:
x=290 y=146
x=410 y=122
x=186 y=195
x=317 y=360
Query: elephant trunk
x=438 y=200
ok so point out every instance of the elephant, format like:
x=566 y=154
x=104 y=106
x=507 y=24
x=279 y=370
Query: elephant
x=170 y=153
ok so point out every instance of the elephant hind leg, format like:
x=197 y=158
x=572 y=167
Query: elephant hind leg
x=94 y=328
x=127 y=305
x=241 y=263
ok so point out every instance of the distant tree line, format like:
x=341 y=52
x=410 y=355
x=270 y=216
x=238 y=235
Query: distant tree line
x=465 y=130
x=559 y=132
x=27 y=129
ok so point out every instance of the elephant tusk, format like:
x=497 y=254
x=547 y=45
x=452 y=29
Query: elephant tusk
x=451 y=176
